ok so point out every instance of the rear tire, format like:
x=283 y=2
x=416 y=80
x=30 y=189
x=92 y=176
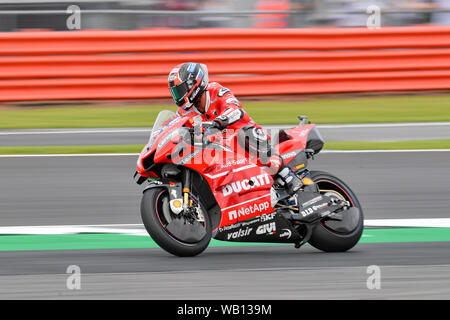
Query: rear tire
x=323 y=237
x=152 y=204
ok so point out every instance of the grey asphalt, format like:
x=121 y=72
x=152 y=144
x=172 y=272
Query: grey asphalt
x=407 y=271
x=99 y=190
x=122 y=136
x=412 y=282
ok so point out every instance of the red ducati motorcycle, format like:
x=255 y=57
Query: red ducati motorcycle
x=204 y=185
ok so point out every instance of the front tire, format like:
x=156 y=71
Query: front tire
x=324 y=237
x=155 y=212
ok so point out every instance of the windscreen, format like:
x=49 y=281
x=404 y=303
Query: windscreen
x=162 y=117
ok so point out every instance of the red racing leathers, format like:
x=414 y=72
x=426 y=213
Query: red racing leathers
x=223 y=107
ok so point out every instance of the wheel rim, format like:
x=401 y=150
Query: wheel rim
x=166 y=217
x=330 y=188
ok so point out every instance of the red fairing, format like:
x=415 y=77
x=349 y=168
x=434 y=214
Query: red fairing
x=238 y=182
x=241 y=188
x=297 y=141
x=161 y=144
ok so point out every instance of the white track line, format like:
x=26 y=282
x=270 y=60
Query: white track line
x=138 y=229
x=383 y=125
x=6 y=133
x=324 y=126
x=136 y=154
x=67 y=155
x=385 y=151
x=68 y=229
x=425 y=223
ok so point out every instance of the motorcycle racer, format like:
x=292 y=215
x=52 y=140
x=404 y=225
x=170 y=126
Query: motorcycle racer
x=192 y=92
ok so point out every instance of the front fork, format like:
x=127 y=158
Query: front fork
x=186 y=189
x=179 y=191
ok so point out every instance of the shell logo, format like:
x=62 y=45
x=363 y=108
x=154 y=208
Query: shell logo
x=177 y=204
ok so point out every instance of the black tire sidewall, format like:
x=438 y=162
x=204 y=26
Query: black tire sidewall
x=159 y=234
x=325 y=239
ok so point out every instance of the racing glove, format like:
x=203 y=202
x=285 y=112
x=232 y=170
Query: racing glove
x=230 y=116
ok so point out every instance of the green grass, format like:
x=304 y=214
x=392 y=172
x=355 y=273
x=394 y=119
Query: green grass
x=135 y=148
x=354 y=110
x=350 y=110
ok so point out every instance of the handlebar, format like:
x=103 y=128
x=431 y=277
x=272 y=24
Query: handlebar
x=208 y=124
x=197 y=134
x=205 y=125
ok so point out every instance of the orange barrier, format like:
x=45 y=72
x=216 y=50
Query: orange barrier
x=85 y=42
x=137 y=88
x=218 y=63
x=46 y=65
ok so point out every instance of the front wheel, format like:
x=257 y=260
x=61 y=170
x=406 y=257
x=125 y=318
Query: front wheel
x=328 y=235
x=180 y=235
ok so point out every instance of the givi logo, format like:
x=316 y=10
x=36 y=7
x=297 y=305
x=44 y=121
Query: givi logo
x=246 y=184
x=269 y=228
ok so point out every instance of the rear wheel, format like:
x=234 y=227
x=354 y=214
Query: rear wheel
x=329 y=235
x=178 y=234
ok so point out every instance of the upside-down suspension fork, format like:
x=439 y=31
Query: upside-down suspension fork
x=186 y=188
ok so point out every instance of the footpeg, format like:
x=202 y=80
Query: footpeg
x=309 y=231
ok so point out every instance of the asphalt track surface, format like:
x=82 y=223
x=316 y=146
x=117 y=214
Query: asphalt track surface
x=408 y=271
x=122 y=136
x=99 y=190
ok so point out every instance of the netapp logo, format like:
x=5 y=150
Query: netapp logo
x=242 y=212
x=246 y=184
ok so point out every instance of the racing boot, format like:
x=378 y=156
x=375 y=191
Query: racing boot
x=278 y=168
x=292 y=182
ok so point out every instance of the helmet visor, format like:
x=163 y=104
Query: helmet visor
x=179 y=92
